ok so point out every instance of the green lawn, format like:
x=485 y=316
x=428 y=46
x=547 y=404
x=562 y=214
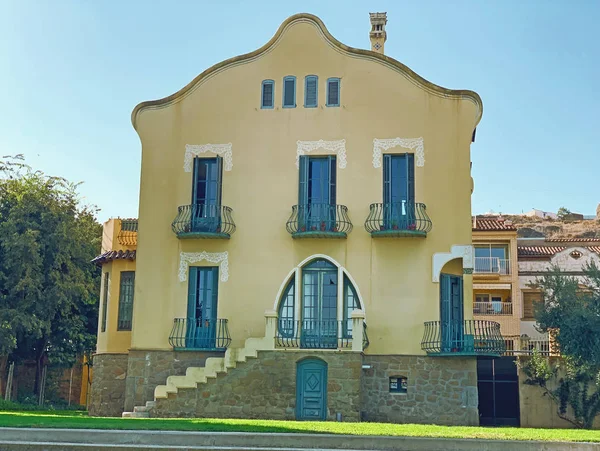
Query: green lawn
x=81 y=420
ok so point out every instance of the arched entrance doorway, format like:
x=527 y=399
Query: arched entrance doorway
x=315 y=308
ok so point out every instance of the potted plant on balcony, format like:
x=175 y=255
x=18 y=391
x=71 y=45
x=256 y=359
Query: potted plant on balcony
x=394 y=225
x=412 y=227
x=323 y=226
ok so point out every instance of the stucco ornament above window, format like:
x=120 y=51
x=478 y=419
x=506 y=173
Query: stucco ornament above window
x=187 y=258
x=337 y=147
x=193 y=150
x=416 y=144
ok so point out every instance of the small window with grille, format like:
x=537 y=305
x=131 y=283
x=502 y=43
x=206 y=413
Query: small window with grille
x=398 y=384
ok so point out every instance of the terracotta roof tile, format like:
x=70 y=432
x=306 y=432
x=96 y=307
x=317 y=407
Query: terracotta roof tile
x=114 y=255
x=547 y=251
x=492 y=223
x=539 y=251
x=572 y=240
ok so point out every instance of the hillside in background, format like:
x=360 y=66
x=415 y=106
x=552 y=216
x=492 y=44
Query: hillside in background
x=534 y=227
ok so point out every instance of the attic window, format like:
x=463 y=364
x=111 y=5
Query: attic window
x=576 y=254
x=333 y=92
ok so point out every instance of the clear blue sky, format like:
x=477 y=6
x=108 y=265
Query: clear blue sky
x=72 y=71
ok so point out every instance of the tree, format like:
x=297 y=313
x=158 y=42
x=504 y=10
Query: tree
x=563 y=212
x=571 y=314
x=48 y=288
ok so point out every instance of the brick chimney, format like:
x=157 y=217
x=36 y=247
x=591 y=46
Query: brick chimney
x=378 y=34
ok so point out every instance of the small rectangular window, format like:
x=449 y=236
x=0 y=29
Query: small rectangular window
x=289 y=92
x=267 y=94
x=398 y=384
x=311 y=96
x=126 y=300
x=333 y=92
x=104 y=302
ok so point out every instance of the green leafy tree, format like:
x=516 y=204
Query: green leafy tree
x=48 y=288
x=571 y=314
x=563 y=212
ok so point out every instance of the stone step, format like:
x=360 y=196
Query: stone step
x=150 y=404
x=135 y=414
x=141 y=409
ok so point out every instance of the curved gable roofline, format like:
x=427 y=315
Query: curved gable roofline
x=412 y=76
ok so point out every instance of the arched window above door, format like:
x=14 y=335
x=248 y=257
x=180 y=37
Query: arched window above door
x=315 y=306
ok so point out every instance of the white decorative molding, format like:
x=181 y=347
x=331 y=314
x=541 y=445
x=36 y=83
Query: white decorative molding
x=464 y=252
x=338 y=147
x=193 y=150
x=187 y=258
x=380 y=145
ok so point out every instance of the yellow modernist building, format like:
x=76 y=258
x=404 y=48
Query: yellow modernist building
x=303 y=249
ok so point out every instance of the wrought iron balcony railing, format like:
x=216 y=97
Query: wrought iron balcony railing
x=314 y=334
x=203 y=221
x=398 y=219
x=319 y=221
x=470 y=337
x=200 y=334
x=127 y=236
x=492 y=308
x=492 y=265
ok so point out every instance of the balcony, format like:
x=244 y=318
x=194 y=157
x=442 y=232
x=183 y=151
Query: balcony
x=398 y=220
x=313 y=334
x=463 y=338
x=193 y=334
x=524 y=345
x=319 y=221
x=492 y=265
x=492 y=308
x=203 y=221
x=127 y=236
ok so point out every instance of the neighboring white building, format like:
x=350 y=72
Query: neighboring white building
x=536 y=256
x=541 y=214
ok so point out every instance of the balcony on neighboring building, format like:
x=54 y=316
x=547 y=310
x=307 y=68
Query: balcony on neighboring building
x=203 y=221
x=492 y=265
x=492 y=308
x=523 y=345
x=399 y=219
x=197 y=334
x=319 y=221
x=317 y=334
x=127 y=235
x=463 y=338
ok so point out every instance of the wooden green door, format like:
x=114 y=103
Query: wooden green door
x=311 y=390
x=202 y=308
x=451 y=313
x=319 y=306
x=206 y=195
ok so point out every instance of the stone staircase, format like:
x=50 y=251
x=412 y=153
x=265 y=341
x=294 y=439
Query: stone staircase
x=194 y=376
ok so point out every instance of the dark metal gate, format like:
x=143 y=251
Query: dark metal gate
x=498 y=386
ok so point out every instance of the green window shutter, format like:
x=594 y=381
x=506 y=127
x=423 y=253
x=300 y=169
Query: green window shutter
x=105 y=289
x=289 y=92
x=126 y=290
x=332 y=180
x=192 y=292
x=267 y=96
x=303 y=181
x=333 y=92
x=410 y=178
x=311 y=91
x=219 y=180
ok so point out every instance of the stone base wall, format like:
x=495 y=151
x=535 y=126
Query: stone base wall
x=107 y=397
x=440 y=390
x=265 y=387
x=147 y=369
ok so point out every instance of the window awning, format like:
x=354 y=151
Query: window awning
x=491 y=286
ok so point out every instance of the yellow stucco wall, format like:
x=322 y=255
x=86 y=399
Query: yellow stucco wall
x=113 y=340
x=379 y=99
